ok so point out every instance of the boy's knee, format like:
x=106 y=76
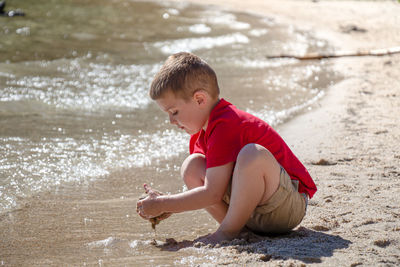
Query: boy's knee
x=253 y=153
x=193 y=168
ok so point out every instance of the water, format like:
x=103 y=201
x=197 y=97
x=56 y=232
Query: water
x=74 y=79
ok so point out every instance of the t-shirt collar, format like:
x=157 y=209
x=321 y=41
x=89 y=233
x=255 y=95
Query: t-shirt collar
x=220 y=105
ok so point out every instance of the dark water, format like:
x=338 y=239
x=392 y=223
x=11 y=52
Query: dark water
x=74 y=77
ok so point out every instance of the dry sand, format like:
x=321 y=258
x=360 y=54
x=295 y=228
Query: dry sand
x=354 y=219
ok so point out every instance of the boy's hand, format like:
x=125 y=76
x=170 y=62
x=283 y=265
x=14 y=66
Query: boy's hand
x=147 y=207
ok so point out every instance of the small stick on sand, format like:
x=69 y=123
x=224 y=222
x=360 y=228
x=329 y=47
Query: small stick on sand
x=360 y=53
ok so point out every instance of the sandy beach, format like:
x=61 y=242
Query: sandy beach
x=349 y=141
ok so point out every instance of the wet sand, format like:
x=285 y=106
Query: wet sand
x=354 y=219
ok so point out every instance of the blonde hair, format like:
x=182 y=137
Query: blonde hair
x=184 y=73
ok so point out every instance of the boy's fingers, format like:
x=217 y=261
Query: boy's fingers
x=138 y=206
x=139 y=210
x=143 y=215
x=150 y=191
x=147 y=188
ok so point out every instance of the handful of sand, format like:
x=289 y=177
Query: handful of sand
x=154 y=193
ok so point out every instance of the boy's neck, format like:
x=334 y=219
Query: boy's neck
x=213 y=103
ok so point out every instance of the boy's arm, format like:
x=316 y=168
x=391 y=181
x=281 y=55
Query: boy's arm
x=215 y=184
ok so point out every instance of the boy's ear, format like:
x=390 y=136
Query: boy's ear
x=200 y=97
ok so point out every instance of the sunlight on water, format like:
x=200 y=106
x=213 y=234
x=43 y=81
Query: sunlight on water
x=80 y=84
x=58 y=160
x=74 y=80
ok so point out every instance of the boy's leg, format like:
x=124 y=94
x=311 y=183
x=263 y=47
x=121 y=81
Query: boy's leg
x=193 y=172
x=255 y=178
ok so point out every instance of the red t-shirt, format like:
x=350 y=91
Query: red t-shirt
x=230 y=129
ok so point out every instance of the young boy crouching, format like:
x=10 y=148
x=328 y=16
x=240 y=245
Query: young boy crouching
x=239 y=169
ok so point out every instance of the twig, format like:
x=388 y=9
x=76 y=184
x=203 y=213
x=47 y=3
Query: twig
x=360 y=53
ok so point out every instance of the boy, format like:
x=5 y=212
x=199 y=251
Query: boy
x=239 y=169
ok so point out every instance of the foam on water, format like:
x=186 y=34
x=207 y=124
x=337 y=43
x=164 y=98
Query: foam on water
x=275 y=117
x=194 y=44
x=219 y=17
x=199 y=28
x=105 y=243
x=258 y=32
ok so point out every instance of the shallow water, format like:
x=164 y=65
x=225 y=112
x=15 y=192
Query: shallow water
x=77 y=127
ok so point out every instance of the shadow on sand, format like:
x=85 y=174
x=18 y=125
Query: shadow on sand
x=302 y=244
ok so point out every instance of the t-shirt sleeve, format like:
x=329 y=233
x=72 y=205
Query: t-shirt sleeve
x=223 y=145
x=195 y=144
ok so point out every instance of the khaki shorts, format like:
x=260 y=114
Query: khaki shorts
x=284 y=210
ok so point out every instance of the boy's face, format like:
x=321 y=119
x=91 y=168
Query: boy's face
x=187 y=115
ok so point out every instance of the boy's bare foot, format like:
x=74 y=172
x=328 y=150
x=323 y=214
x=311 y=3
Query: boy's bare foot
x=215 y=238
x=219 y=236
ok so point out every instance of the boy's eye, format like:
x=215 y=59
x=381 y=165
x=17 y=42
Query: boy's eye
x=174 y=113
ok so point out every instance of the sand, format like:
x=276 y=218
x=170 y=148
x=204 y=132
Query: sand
x=354 y=219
